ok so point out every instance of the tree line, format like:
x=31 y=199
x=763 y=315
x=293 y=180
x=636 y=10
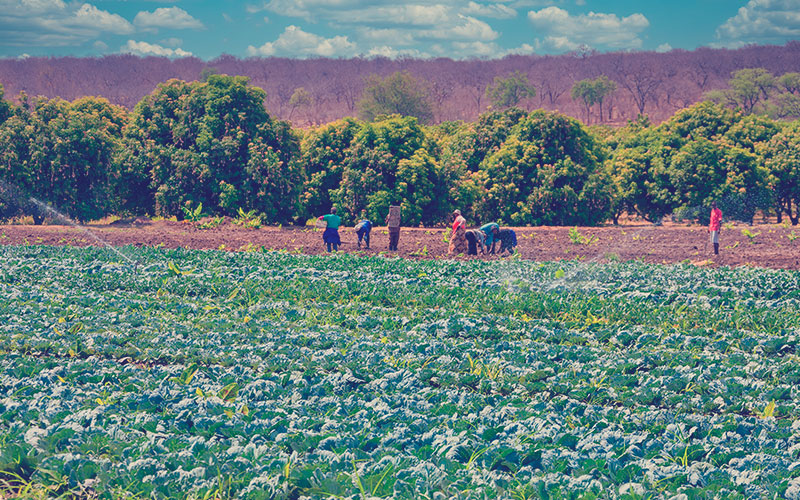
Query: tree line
x=316 y=91
x=213 y=143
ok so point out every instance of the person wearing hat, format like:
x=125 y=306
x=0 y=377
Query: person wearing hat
x=458 y=237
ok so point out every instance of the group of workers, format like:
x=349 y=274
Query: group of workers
x=485 y=239
x=462 y=240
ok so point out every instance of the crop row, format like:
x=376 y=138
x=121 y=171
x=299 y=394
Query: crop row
x=278 y=376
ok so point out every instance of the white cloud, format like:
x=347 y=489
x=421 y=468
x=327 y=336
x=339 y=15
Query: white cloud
x=151 y=49
x=664 y=47
x=166 y=17
x=56 y=23
x=459 y=29
x=563 y=31
x=521 y=4
x=393 y=53
x=396 y=15
x=498 y=11
x=762 y=21
x=172 y=42
x=381 y=27
x=100 y=46
x=396 y=36
x=294 y=42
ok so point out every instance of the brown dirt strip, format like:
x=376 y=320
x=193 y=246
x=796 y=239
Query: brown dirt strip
x=773 y=246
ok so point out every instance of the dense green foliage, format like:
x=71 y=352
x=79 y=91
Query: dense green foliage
x=62 y=153
x=212 y=143
x=267 y=375
x=397 y=94
x=506 y=92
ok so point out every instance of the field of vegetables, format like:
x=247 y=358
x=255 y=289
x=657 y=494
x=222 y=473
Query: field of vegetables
x=274 y=375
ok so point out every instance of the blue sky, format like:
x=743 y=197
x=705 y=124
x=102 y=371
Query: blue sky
x=347 y=28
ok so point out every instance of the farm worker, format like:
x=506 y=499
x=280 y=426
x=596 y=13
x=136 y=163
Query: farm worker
x=508 y=240
x=475 y=239
x=715 y=225
x=490 y=231
x=458 y=238
x=331 y=234
x=393 y=223
x=363 y=228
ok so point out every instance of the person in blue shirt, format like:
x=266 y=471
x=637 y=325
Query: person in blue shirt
x=491 y=230
x=508 y=240
x=331 y=234
x=363 y=228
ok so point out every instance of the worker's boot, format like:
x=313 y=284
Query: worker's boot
x=716 y=248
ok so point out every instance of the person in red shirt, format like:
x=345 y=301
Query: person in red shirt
x=715 y=225
x=458 y=237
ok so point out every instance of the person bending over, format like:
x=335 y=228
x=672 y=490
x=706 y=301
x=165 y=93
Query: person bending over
x=475 y=239
x=490 y=231
x=508 y=240
x=363 y=228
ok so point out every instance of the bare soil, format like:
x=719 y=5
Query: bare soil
x=761 y=245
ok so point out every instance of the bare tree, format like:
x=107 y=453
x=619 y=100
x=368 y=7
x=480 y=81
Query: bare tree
x=639 y=76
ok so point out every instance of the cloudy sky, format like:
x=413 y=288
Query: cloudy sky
x=417 y=28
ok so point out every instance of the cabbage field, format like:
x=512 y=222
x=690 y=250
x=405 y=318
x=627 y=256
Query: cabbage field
x=211 y=374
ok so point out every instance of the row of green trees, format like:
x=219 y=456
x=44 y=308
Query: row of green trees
x=212 y=142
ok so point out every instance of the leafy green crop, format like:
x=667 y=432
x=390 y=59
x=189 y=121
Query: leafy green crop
x=271 y=375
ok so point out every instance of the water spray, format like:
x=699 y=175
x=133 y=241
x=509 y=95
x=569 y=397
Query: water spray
x=46 y=208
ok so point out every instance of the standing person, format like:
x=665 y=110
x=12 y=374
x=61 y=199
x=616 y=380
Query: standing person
x=458 y=238
x=363 y=228
x=508 y=240
x=490 y=230
x=714 y=226
x=331 y=234
x=393 y=223
x=475 y=239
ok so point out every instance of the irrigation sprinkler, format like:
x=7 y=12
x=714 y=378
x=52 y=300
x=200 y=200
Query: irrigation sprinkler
x=43 y=207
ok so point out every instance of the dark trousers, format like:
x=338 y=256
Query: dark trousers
x=394 y=237
x=363 y=235
x=472 y=245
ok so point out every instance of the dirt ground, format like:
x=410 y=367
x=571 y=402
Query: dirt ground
x=762 y=245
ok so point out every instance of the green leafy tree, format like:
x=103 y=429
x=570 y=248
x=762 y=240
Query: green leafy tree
x=550 y=171
x=782 y=160
x=704 y=171
x=324 y=153
x=748 y=88
x=5 y=107
x=472 y=142
x=213 y=143
x=703 y=153
x=300 y=99
x=509 y=91
x=790 y=82
x=593 y=91
x=633 y=165
x=397 y=94
x=61 y=153
x=387 y=163
x=421 y=189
